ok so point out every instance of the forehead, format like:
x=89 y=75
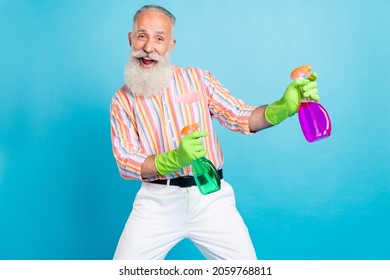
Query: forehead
x=153 y=21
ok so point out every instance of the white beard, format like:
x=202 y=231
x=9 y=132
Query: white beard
x=147 y=81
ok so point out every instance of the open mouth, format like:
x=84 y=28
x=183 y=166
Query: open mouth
x=147 y=62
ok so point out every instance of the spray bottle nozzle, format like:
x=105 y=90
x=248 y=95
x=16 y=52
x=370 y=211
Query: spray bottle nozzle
x=301 y=72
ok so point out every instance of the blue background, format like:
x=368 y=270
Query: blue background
x=61 y=196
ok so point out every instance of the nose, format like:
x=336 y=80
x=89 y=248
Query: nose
x=148 y=47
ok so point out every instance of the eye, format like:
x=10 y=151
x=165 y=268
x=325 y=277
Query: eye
x=160 y=39
x=141 y=36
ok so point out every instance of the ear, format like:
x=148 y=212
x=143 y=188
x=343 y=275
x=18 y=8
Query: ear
x=130 y=36
x=172 y=44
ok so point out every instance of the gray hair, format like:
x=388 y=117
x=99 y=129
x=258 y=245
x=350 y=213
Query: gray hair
x=155 y=8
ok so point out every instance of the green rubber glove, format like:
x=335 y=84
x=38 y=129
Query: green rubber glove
x=190 y=148
x=287 y=106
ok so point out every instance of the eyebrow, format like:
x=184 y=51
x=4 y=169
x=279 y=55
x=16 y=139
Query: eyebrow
x=160 y=32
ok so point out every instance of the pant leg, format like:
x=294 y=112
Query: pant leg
x=216 y=227
x=156 y=223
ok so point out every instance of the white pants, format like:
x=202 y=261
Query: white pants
x=164 y=215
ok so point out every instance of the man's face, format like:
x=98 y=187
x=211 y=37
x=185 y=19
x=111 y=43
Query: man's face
x=152 y=33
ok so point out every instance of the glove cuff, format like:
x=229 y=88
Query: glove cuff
x=167 y=162
x=277 y=112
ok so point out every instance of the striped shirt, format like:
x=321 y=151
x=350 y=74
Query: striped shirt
x=143 y=126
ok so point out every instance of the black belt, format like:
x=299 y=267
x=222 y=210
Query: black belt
x=182 y=182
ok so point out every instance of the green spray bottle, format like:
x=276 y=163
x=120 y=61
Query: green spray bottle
x=206 y=175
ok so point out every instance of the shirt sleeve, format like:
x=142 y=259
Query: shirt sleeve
x=231 y=112
x=125 y=144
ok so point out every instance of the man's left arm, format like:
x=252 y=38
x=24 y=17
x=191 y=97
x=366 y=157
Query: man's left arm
x=257 y=120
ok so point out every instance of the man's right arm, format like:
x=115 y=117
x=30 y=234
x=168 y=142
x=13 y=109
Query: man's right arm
x=148 y=168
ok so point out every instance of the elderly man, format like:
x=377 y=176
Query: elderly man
x=147 y=114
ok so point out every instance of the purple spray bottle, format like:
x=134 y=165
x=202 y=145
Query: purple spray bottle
x=313 y=117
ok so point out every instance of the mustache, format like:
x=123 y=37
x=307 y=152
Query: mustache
x=142 y=54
